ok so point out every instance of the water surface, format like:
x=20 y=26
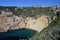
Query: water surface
x=28 y=33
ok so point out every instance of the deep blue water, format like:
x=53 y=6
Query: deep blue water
x=19 y=33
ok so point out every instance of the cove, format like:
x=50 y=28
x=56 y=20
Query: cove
x=28 y=33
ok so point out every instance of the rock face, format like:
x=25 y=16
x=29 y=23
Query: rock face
x=3 y=19
x=16 y=22
x=37 y=24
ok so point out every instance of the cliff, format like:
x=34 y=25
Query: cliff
x=36 y=18
x=16 y=22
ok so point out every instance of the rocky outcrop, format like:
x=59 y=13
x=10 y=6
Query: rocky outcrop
x=31 y=23
x=37 y=24
x=16 y=22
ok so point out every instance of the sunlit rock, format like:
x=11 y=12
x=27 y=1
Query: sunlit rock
x=37 y=24
x=16 y=22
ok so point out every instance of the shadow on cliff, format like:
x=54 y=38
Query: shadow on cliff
x=18 y=33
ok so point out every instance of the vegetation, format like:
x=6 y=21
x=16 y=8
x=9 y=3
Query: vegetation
x=27 y=11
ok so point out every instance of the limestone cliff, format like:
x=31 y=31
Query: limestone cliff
x=37 y=24
x=16 y=22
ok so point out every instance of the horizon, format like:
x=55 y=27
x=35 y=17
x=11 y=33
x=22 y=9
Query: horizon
x=29 y=3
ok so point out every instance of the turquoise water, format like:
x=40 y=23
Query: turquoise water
x=20 y=33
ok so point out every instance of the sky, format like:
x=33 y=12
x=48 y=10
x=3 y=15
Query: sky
x=24 y=3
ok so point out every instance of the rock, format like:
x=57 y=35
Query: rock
x=16 y=22
x=37 y=24
x=4 y=28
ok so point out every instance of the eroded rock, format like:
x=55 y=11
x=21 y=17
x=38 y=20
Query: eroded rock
x=16 y=22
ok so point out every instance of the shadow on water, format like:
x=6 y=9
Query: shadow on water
x=17 y=34
x=15 y=38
